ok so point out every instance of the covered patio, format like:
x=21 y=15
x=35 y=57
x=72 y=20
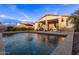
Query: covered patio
x=52 y=22
x=49 y=24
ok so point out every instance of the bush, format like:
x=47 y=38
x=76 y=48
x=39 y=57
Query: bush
x=17 y=29
x=23 y=29
x=12 y=28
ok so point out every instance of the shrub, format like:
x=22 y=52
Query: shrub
x=23 y=28
x=10 y=28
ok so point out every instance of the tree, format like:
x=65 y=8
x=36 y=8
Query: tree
x=76 y=12
x=75 y=20
x=0 y=23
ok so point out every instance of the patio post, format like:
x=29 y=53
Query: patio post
x=36 y=26
x=46 y=24
x=59 y=23
x=65 y=22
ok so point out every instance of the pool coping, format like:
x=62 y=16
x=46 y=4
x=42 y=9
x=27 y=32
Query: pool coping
x=38 y=32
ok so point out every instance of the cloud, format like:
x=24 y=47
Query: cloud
x=5 y=16
x=50 y=10
x=13 y=13
x=60 y=8
x=25 y=20
x=12 y=18
x=23 y=15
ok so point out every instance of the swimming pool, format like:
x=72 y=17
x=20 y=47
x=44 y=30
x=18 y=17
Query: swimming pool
x=31 y=44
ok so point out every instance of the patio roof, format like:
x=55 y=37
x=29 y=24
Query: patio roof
x=53 y=15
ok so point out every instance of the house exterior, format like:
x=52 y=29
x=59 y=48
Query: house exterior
x=3 y=28
x=27 y=26
x=55 y=22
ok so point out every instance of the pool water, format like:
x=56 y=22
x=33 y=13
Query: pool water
x=31 y=44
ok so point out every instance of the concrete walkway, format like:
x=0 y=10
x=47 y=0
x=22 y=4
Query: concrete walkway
x=2 y=46
x=65 y=48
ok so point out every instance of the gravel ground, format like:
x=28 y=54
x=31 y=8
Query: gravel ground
x=75 y=49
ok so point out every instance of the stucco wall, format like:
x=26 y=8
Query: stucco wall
x=22 y=25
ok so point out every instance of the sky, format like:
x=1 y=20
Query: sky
x=27 y=13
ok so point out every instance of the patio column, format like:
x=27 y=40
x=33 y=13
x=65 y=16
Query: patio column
x=59 y=23
x=65 y=22
x=46 y=25
x=36 y=26
x=62 y=22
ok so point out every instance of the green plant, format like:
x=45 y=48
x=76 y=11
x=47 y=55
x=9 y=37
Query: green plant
x=74 y=19
x=10 y=28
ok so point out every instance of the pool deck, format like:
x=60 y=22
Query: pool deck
x=2 y=47
x=65 y=48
